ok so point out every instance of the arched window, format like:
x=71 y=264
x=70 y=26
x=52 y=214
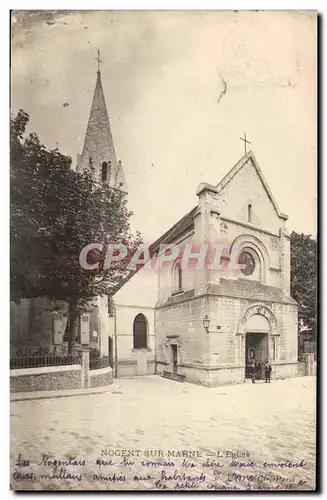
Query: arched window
x=177 y=277
x=249 y=213
x=140 y=332
x=104 y=171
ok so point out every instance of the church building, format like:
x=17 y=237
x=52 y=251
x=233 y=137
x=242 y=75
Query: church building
x=205 y=324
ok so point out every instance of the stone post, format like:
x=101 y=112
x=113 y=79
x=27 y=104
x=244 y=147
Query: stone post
x=310 y=364
x=85 y=371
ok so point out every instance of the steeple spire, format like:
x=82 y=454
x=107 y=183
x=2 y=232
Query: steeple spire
x=98 y=144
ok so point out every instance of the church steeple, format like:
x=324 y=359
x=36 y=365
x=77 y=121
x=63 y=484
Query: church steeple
x=98 y=144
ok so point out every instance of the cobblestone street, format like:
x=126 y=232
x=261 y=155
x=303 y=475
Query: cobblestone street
x=267 y=424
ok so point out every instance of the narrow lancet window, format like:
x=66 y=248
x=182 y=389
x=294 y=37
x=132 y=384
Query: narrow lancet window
x=104 y=171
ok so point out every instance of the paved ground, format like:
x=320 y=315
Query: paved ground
x=274 y=424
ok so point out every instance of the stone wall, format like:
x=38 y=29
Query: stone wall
x=49 y=378
x=56 y=378
x=184 y=319
x=101 y=377
x=307 y=365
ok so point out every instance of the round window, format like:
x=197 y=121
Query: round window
x=247 y=260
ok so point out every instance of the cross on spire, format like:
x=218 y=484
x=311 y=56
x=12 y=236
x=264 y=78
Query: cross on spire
x=99 y=60
x=245 y=141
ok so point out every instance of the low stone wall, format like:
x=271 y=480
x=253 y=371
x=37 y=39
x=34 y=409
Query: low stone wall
x=284 y=369
x=64 y=377
x=206 y=375
x=127 y=368
x=48 y=378
x=307 y=365
x=101 y=377
x=210 y=376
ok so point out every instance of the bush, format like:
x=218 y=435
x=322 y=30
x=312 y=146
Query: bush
x=96 y=361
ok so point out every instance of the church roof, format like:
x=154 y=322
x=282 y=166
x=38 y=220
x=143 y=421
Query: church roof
x=186 y=222
x=98 y=143
x=240 y=164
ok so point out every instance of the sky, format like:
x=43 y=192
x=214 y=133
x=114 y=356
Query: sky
x=181 y=89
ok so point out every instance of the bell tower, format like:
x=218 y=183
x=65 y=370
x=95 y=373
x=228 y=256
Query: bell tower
x=99 y=149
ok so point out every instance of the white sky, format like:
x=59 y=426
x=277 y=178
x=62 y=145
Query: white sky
x=162 y=76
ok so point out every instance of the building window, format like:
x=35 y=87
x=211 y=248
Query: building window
x=247 y=260
x=140 y=332
x=104 y=171
x=177 y=277
x=250 y=213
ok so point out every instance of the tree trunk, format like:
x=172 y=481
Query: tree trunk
x=73 y=316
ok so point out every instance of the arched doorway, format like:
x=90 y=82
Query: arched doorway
x=257 y=331
x=258 y=335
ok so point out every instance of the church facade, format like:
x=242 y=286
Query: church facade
x=206 y=324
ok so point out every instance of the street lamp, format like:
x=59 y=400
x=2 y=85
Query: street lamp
x=206 y=323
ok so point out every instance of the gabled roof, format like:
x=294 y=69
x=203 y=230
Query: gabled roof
x=239 y=165
x=186 y=222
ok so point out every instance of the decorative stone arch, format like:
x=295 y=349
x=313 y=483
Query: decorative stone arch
x=267 y=324
x=262 y=310
x=248 y=241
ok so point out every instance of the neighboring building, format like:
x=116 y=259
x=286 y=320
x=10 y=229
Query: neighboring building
x=205 y=324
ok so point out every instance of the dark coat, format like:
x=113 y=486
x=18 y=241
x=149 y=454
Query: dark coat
x=267 y=370
x=258 y=368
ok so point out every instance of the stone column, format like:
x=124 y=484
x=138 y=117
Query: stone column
x=85 y=371
x=206 y=232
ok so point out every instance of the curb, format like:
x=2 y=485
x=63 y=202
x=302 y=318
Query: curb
x=32 y=396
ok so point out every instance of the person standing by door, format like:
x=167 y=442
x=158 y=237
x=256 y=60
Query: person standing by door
x=252 y=371
x=268 y=370
x=258 y=370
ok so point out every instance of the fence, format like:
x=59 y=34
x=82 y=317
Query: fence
x=46 y=371
x=38 y=360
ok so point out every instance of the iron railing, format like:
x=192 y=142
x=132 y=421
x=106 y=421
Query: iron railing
x=37 y=360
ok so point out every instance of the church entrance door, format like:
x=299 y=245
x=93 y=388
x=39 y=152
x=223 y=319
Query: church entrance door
x=256 y=349
x=174 y=358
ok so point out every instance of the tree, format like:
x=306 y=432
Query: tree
x=55 y=213
x=303 y=278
